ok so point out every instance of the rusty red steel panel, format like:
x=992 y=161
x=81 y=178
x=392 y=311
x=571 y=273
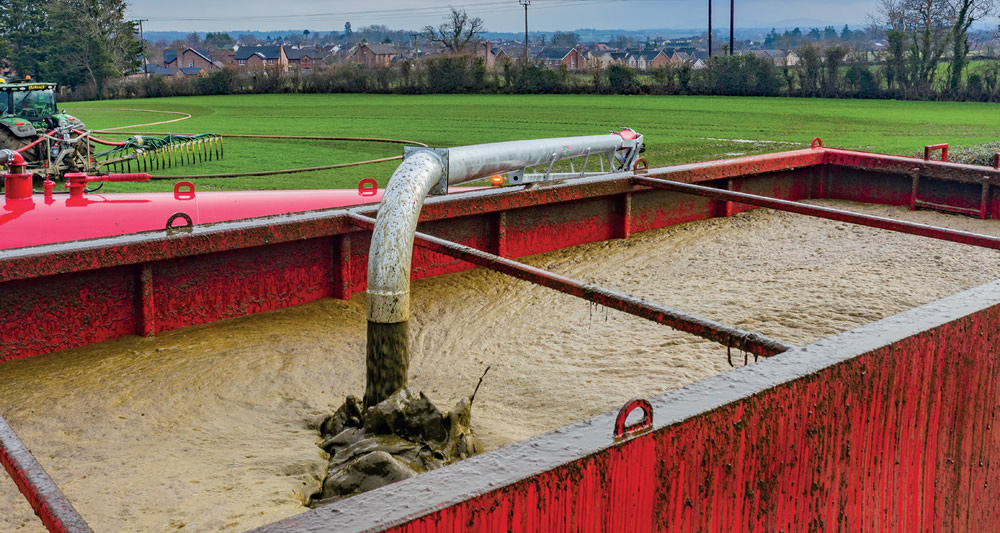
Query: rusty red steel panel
x=211 y=287
x=858 y=185
x=964 y=237
x=41 y=315
x=515 y=221
x=46 y=260
x=45 y=498
x=909 y=166
x=741 y=166
x=888 y=427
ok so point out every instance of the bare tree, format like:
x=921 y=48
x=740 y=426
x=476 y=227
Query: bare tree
x=920 y=32
x=964 y=13
x=458 y=33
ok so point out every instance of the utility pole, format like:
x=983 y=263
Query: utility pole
x=709 y=28
x=732 y=5
x=525 y=3
x=416 y=46
x=142 y=41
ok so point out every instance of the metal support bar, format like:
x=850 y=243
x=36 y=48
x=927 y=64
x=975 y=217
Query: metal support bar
x=49 y=503
x=623 y=216
x=747 y=341
x=343 y=281
x=145 y=316
x=984 y=202
x=934 y=147
x=912 y=228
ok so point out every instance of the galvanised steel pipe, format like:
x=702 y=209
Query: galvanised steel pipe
x=748 y=341
x=912 y=228
x=392 y=239
x=391 y=252
x=467 y=163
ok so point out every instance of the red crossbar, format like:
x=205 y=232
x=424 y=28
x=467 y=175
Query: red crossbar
x=840 y=215
x=49 y=503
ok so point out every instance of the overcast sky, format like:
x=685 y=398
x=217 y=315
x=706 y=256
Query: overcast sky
x=499 y=15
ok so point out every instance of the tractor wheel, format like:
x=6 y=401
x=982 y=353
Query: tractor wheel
x=10 y=141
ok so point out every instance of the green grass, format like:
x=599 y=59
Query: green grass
x=678 y=129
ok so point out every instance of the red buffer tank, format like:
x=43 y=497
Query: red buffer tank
x=32 y=219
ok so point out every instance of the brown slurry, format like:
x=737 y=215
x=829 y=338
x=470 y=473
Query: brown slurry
x=215 y=427
x=387 y=360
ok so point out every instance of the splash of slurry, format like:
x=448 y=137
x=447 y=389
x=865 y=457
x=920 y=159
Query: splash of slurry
x=400 y=437
x=394 y=433
x=387 y=362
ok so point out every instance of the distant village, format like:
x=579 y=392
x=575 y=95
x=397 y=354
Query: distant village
x=871 y=62
x=196 y=58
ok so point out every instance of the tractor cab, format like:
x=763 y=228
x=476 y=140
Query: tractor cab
x=34 y=102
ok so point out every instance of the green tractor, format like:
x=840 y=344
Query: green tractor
x=31 y=123
x=54 y=142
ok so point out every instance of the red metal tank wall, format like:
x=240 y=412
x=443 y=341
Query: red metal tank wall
x=902 y=438
x=171 y=281
x=889 y=427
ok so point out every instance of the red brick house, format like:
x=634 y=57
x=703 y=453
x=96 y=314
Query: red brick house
x=304 y=58
x=492 y=55
x=374 y=54
x=261 y=56
x=188 y=58
x=553 y=57
x=649 y=59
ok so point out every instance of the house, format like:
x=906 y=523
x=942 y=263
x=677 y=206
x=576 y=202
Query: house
x=698 y=59
x=599 y=59
x=158 y=70
x=553 y=57
x=493 y=56
x=188 y=58
x=185 y=72
x=607 y=57
x=778 y=57
x=261 y=56
x=303 y=58
x=649 y=59
x=372 y=54
x=678 y=58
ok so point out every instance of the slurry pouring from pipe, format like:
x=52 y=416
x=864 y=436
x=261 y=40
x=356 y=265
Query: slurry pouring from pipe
x=395 y=433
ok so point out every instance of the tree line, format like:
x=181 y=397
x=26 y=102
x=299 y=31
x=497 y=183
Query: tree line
x=831 y=72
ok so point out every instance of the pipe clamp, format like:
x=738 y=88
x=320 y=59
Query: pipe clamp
x=442 y=184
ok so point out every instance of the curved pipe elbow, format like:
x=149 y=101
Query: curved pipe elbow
x=391 y=252
x=12 y=158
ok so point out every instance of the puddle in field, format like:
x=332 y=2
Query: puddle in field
x=215 y=427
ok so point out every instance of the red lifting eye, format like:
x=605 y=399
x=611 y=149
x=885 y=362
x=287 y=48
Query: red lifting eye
x=367 y=187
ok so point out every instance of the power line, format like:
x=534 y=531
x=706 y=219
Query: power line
x=484 y=7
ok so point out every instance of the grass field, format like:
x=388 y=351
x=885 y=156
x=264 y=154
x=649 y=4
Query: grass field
x=678 y=129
